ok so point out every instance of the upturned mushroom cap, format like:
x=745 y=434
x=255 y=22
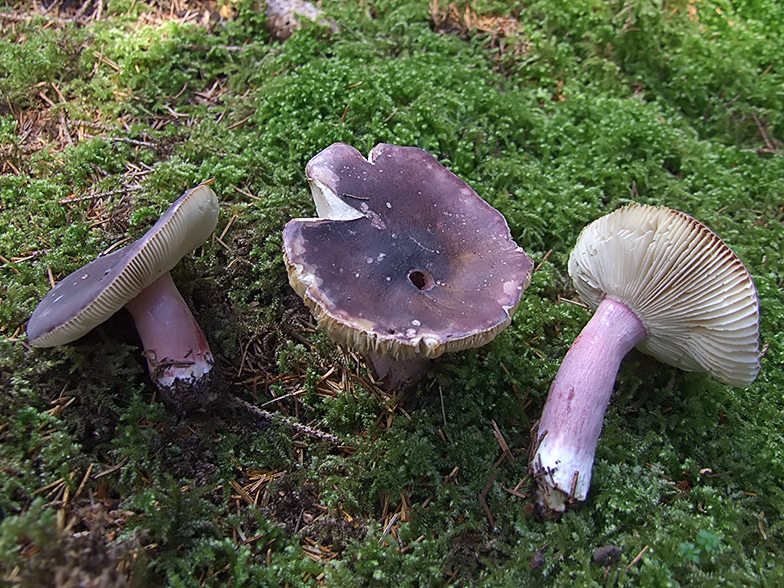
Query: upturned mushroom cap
x=411 y=261
x=93 y=293
x=694 y=296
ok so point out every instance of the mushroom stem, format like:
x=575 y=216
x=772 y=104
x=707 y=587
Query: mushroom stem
x=175 y=345
x=393 y=373
x=573 y=414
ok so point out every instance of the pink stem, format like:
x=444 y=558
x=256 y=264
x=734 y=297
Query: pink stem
x=173 y=341
x=573 y=414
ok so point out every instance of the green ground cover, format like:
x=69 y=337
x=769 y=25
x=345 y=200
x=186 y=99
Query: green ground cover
x=556 y=112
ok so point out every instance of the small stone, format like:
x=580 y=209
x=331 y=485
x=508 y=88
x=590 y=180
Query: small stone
x=285 y=16
x=607 y=555
x=537 y=560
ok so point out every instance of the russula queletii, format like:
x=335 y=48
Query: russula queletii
x=405 y=262
x=662 y=282
x=137 y=277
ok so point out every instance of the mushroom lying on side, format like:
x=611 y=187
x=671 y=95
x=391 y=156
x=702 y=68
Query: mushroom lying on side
x=663 y=282
x=406 y=262
x=137 y=277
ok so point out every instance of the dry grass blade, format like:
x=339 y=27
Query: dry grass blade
x=483 y=501
x=506 y=453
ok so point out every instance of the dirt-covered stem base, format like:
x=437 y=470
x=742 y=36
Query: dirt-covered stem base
x=174 y=343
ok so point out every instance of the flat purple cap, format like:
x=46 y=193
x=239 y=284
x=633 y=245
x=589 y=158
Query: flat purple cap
x=90 y=295
x=410 y=261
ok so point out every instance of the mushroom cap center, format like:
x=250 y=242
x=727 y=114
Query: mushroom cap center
x=424 y=263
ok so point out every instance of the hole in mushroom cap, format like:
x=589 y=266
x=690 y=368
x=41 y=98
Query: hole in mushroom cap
x=422 y=280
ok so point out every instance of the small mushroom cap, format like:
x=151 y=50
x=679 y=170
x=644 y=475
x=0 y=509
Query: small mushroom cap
x=412 y=261
x=694 y=296
x=93 y=293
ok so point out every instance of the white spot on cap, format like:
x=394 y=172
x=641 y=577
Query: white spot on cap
x=511 y=288
x=416 y=323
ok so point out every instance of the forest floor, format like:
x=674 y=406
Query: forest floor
x=556 y=112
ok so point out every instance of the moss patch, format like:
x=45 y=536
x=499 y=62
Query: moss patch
x=556 y=113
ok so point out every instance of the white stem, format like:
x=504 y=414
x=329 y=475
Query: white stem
x=393 y=373
x=173 y=341
x=573 y=414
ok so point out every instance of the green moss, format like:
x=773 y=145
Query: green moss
x=591 y=105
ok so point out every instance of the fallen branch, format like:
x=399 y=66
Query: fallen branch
x=300 y=428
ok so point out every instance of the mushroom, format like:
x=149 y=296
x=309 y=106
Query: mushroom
x=137 y=277
x=406 y=263
x=665 y=283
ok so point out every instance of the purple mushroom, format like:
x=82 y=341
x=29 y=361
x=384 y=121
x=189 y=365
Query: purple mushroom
x=406 y=261
x=137 y=277
x=663 y=282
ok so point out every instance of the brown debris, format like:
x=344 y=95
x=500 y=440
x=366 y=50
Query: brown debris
x=483 y=501
x=538 y=559
x=83 y=549
x=504 y=34
x=47 y=121
x=345 y=374
x=506 y=453
x=83 y=559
